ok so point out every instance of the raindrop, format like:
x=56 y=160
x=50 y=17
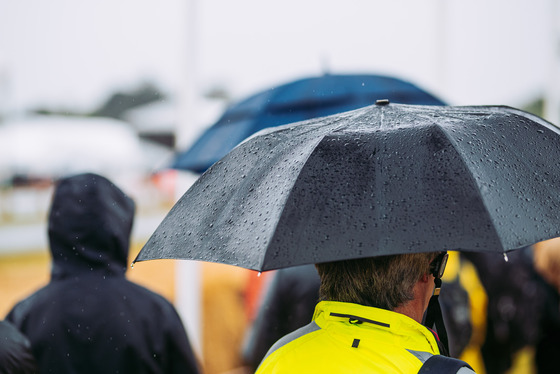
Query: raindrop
x=506 y=257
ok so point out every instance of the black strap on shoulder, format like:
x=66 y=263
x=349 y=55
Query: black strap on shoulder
x=434 y=318
x=442 y=364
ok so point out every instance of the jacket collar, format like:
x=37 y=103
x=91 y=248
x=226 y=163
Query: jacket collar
x=365 y=320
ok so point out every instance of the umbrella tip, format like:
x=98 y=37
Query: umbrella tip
x=382 y=102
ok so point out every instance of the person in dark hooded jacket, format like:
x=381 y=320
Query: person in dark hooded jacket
x=90 y=318
x=15 y=351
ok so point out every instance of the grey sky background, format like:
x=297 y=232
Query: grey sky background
x=73 y=54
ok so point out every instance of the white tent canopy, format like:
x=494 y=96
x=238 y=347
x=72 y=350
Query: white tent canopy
x=51 y=146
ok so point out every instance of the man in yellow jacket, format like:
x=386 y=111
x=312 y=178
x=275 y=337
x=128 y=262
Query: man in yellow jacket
x=368 y=320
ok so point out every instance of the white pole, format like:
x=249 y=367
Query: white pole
x=188 y=88
x=441 y=47
x=552 y=94
x=188 y=274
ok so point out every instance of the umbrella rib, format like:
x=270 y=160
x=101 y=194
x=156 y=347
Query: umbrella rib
x=334 y=128
x=459 y=152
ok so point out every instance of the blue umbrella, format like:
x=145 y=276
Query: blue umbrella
x=292 y=102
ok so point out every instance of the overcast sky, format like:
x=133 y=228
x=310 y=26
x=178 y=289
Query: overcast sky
x=73 y=54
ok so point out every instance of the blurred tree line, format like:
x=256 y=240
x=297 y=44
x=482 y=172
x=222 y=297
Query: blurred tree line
x=117 y=103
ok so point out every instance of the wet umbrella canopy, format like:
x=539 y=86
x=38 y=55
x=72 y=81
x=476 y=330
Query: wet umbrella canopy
x=384 y=179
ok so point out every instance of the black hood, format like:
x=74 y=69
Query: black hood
x=90 y=222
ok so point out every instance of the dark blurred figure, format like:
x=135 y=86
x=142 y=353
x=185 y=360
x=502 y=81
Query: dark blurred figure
x=523 y=311
x=288 y=303
x=546 y=257
x=15 y=351
x=90 y=318
x=456 y=310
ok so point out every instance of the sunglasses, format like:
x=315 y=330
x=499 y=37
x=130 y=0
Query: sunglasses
x=437 y=266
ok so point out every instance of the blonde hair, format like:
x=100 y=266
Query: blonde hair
x=547 y=260
x=383 y=282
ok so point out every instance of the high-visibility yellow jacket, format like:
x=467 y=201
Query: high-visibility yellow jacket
x=352 y=338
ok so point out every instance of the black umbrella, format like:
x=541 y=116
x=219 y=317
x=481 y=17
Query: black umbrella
x=384 y=179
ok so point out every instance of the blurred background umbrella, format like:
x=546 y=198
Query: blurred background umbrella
x=292 y=102
x=384 y=179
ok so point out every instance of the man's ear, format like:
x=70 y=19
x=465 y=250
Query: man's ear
x=425 y=278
